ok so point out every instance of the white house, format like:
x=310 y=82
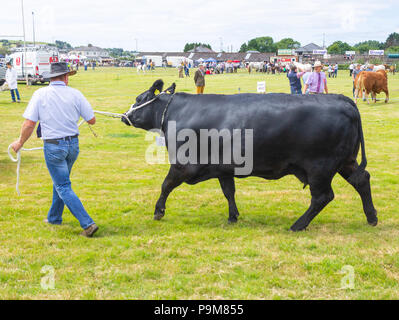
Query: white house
x=91 y=52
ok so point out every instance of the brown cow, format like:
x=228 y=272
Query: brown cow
x=372 y=82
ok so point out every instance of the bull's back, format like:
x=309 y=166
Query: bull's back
x=281 y=123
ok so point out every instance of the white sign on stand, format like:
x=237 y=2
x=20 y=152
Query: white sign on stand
x=261 y=87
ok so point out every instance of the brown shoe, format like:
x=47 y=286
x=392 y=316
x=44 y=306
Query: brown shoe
x=89 y=231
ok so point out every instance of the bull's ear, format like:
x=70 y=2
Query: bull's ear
x=171 y=89
x=156 y=87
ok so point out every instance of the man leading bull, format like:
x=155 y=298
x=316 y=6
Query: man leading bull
x=58 y=108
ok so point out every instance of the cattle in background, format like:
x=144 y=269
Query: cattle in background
x=312 y=137
x=257 y=66
x=371 y=82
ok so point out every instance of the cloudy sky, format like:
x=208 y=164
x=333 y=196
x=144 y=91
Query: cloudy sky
x=167 y=25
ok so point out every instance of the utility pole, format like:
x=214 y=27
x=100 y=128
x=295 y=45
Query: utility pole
x=324 y=40
x=33 y=21
x=23 y=27
x=221 y=44
x=137 y=46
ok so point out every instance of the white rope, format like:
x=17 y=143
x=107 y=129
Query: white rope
x=147 y=103
x=18 y=159
x=114 y=115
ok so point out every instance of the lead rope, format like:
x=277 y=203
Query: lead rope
x=114 y=115
x=18 y=159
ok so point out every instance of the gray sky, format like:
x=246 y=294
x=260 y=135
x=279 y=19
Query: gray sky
x=168 y=25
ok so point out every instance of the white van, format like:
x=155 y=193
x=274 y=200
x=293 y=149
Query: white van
x=37 y=62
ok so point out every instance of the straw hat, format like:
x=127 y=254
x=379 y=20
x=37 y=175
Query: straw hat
x=317 y=64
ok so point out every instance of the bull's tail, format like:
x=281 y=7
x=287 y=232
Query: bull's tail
x=363 y=163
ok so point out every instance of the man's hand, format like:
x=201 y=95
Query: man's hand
x=16 y=146
x=92 y=121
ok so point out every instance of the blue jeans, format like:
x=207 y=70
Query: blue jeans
x=13 y=96
x=295 y=90
x=59 y=160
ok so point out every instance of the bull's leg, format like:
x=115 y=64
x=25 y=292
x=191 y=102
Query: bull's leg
x=322 y=194
x=356 y=95
x=374 y=97
x=229 y=189
x=174 y=178
x=386 y=96
x=360 y=180
x=366 y=96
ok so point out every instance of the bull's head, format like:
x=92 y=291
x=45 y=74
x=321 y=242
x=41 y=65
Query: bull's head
x=143 y=117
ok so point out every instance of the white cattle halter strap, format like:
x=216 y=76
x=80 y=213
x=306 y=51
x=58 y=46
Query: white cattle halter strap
x=146 y=103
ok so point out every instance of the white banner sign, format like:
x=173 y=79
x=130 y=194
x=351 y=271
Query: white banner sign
x=261 y=87
x=350 y=53
x=376 y=52
x=320 y=52
x=327 y=56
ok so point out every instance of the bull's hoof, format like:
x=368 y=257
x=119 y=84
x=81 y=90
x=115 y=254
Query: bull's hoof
x=159 y=214
x=158 y=217
x=233 y=220
x=374 y=222
x=297 y=228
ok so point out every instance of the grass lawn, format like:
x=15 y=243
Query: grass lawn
x=193 y=253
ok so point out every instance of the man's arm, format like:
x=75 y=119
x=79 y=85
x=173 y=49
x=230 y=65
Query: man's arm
x=325 y=86
x=305 y=88
x=26 y=131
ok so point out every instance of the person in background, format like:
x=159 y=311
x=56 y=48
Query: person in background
x=329 y=70
x=186 y=70
x=351 y=68
x=295 y=80
x=58 y=108
x=306 y=75
x=199 y=79
x=93 y=65
x=355 y=72
x=317 y=81
x=85 y=65
x=336 y=70
x=180 y=68
x=12 y=81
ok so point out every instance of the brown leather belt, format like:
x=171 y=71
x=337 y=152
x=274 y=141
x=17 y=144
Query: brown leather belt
x=57 y=141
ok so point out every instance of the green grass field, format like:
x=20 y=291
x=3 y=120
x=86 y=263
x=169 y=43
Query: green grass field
x=193 y=253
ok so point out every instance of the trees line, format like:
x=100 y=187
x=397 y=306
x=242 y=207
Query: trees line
x=266 y=44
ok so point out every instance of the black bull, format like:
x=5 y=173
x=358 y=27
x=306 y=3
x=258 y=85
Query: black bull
x=312 y=137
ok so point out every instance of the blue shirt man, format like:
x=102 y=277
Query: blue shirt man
x=295 y=81
x=58 y=108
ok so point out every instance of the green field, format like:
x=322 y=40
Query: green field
x=193 y=253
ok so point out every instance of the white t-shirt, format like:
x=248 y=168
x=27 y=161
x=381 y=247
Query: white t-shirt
x=58 y=108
